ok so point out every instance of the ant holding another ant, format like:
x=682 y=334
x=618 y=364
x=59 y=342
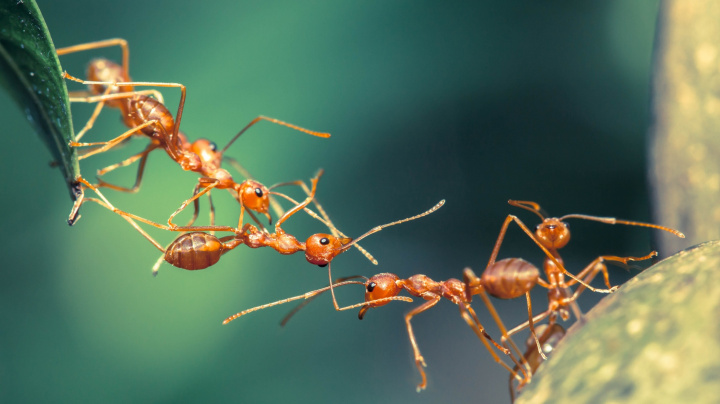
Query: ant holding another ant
x=110 y=83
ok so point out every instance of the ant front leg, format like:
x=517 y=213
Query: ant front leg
x=591 y=270
x=419 y=360
x=131 y=217
x=122 y=43
x=196 y=205
x=105 y=146
x=209 y=184
x=142 y=156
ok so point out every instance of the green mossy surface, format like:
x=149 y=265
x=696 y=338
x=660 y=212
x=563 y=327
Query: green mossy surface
x=654 y=340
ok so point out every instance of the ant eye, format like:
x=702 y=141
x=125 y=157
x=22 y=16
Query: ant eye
x=567 y=226
x=322 y=266
x=324 y=241
x=371 y=286
x=537 y=227
x=213 y=146
x=259 y=192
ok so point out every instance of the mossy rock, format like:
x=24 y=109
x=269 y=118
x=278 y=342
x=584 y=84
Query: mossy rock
x=655 y=340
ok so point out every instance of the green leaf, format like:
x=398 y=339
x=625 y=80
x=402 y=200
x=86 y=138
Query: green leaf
x=31 y=73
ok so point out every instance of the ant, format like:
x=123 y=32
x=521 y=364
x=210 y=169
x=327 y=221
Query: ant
x=511 y=278
x=198 y=250
x=549 y=337
x=383 y=288
x=111 y=84
x=319 y=248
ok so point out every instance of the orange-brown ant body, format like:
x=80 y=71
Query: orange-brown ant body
x=110 y=83
x=383 y=288
x=198 y=250
x=510 y=278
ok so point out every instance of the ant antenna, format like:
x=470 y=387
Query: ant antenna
x=311 y=294
x=310 y=299
x=531 y=206
x=612 y=220
x=378 y=228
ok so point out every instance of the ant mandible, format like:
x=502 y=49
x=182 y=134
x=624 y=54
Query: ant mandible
x=511 y=278
x=383 y=288
x=148 y=116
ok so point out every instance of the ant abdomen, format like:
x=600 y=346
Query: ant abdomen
x=106 y=70
x=195 y=250
x=142 y=109
x=510 y=278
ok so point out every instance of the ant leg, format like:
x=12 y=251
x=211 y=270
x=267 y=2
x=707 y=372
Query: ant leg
x=599 y=260
x=207 y=189
x=531 y=323
x=419 y=360
x=276 y=121
x=297 y=208
x=91 y=98
x=111 y=143
x=101 y=44
x=129 y=216
x=105 y=203
x=212 y=212
x=471 y=282
x=138 y=179
x=505 y=338
x=238 y=167
x=89 y=124
x=468 y=314
x=196 y=204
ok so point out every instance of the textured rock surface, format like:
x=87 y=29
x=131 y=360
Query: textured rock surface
x=655 y=340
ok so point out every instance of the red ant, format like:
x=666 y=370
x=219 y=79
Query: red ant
x=383 y=288
x=111 y=83
x=511 y=278
x=184 y=252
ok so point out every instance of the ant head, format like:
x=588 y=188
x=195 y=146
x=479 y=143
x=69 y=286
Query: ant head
x=553 y=233
x=189 y=161
x=254 y=196
x=380 y=286
x=321 y=248
x=207 y=151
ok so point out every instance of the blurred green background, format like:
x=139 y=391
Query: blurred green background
x=475 y=102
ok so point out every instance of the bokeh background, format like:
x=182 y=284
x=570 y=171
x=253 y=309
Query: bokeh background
x=475 y=102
